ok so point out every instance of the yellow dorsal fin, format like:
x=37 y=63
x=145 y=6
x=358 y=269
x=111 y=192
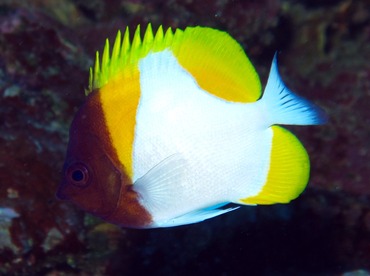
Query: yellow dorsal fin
x=212 y=57
x=289 y=170
x=219 y=64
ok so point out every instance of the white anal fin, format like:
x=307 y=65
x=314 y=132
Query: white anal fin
x=196 y=216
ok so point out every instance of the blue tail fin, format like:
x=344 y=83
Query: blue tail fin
x=282 y=106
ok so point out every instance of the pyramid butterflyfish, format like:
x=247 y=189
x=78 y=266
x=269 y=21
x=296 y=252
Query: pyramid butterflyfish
x=175 y=127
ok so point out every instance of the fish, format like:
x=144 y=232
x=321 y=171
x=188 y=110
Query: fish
x=175 y=130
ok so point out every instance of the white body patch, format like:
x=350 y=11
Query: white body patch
x=224 y=145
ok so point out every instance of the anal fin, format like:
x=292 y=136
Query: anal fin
x=196 y=216
x=288 y=173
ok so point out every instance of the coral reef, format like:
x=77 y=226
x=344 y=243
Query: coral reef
x=46 y=48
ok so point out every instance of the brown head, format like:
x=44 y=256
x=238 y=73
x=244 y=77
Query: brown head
x=93 y=178
x=91 y=172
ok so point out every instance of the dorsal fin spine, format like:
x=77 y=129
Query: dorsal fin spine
x=136 y=44
x=158 y=38
x=148 y=37
x=105 y=68
x=96 y=70
x=125 y=44
x=116 y=52
x=168 y=36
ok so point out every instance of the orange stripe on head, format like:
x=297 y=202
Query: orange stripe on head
x=120 y=98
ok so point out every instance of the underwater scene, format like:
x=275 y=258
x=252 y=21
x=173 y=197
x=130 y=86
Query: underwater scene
x=185 y=137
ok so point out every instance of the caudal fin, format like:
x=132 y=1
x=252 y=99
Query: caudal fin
x=282 y=106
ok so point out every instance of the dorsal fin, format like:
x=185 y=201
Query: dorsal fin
x=125 y=54
x=212 y=57
x=219 y=64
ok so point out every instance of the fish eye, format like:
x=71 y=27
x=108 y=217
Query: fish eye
x=78 y=175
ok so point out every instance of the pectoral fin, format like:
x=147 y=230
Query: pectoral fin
x=158 y=187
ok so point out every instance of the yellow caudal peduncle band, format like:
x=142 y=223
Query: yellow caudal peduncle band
x=288 y=173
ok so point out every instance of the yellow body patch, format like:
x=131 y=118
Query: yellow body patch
x=289 y=170
x=119 y=99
